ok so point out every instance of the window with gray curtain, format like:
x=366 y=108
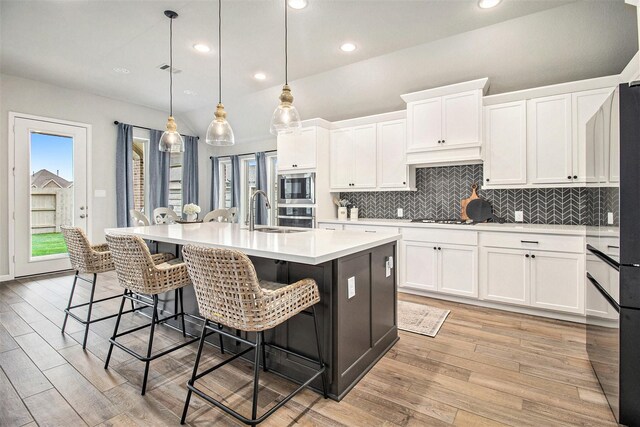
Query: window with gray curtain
x=158 y=173
x=190 y=170
x=235 y=182
x=215 y=183
x=124 y=174
x=261 y=184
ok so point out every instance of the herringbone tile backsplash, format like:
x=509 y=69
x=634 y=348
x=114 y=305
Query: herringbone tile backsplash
x=440 y=190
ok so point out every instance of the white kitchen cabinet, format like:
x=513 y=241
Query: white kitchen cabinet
x=461 y=117
x=504 y=275
x=353 y=158
x=419 y=264
x=614 y=139
x=505 y=142
x=557 y=281
x=297 y=151
x=424 y=119
x=550 y=145
x=392 y=164
x=458 y=270
x=589 y=150
x=608 y=278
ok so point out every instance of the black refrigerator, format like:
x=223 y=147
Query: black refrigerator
x=613 y=252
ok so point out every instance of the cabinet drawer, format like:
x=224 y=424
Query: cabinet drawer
x=533 y=241
x=371 y=228
x=330 y=226
x=454 y=237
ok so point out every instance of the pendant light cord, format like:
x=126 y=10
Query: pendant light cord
x=171 y=66
x=220 y=51
x=286 y=47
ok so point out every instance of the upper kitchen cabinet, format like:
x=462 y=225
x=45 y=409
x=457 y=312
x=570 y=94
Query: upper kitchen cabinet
x=444 y=125
x=392 y=164
x=299 y=151
x=505 y=144
x=550 y=141
x=353 y=158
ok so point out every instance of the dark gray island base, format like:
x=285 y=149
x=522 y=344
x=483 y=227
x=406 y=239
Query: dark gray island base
x=356 y=332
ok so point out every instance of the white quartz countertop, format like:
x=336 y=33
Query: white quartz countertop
x=576 y=230
x=312 y=246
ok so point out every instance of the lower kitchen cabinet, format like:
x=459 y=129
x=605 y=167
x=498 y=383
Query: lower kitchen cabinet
x=451 y=269
x=549 y=280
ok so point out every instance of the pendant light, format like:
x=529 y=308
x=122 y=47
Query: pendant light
x=285 y=118
x=171 y=141
x=219 y=132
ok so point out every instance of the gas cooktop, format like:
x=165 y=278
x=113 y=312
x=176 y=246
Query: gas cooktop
x=442 y=221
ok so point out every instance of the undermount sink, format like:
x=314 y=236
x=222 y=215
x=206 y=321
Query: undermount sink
x=279 y=230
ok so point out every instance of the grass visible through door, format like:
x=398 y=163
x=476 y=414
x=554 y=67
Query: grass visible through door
x=47 y=244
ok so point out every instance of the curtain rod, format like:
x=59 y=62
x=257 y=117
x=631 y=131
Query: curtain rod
x=243 y=154
x=143 y=127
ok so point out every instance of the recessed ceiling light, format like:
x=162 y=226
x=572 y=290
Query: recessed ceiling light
x=202 y=48
x=297 y=4
x=189 y=92
x=121 y=70
x=259 y=76
x=348 y=47
x=488 y=4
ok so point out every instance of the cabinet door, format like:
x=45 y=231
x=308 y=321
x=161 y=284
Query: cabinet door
x=364 y=156
x=549 y=140
x=461 y=119
x=420 y=265
x=392 y=165
x=424 y=121
x=614 y=139
x=505 y=144
x=305 y=150
x=504 y=275
x=458 y=270
x=557 y=281
x=341 y=154
x=588 y=142
x=286 y=151
x=597 y=306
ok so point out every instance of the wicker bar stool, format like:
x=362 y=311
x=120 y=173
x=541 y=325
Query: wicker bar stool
x=85 y=259
x=138 y=273
x=228 y=291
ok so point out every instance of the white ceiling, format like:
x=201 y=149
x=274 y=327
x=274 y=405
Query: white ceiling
x=402 y=46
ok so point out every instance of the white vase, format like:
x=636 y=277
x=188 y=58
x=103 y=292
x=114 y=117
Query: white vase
x=354 y=214
x=342 y=213
x=192 y=217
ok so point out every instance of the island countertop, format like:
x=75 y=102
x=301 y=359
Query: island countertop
x=311 y=246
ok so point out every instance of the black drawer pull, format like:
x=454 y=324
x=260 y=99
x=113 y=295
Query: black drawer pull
x=613 y=246
x=370 y=231
x=533 y=242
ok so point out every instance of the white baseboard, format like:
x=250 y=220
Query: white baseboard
x=496 y=305
x=6 y=278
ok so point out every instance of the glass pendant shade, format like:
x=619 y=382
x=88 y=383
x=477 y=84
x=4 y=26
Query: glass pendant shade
x=285 y=118
x=171 y=141
x=219 y=132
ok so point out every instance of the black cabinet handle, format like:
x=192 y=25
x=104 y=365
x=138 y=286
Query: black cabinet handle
x=487 y=179
x=439 y=249
x=569 y=177
x=404 y=182
x=575 y=176
x=533 y=256
x=443 y=141
x=434 y=248
x=534 y=242
x=526 y=255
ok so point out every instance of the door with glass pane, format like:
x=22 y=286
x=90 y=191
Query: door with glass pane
x=50 y=191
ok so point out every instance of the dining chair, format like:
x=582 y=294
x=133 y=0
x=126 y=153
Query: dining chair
x=218 y=215
x=138 y=218
x=164 y=216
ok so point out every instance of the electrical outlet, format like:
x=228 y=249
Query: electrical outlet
x=351 y=287
x=400 y=212
x=610 y=218
x=519 y=216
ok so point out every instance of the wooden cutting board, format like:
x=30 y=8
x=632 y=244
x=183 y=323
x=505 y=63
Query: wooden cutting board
x=465 y=202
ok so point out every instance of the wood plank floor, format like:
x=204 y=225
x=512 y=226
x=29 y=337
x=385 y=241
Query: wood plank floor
x=485 y=368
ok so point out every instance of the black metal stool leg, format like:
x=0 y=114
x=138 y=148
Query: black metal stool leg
x=256 y=374
x=320 y=358
x=86 y=327
x=264 y=354
x=175 y=304
x=66 y=312
x=154 y=319
x=181 y=295
x=221 y=341
x=195 y=371
x=115 y=329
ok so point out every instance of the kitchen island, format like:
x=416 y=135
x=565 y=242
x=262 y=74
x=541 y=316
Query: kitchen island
x=356 y=276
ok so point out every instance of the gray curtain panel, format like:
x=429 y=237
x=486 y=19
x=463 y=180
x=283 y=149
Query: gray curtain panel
x=261 y=184
x=124 y=174
x=190 y=186
x=215 y=183
x=158 y=174
x=235 y=182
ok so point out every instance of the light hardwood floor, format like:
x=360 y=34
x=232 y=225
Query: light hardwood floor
x=485 y=368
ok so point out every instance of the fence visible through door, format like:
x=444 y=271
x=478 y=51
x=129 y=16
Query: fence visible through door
x=50 y=190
